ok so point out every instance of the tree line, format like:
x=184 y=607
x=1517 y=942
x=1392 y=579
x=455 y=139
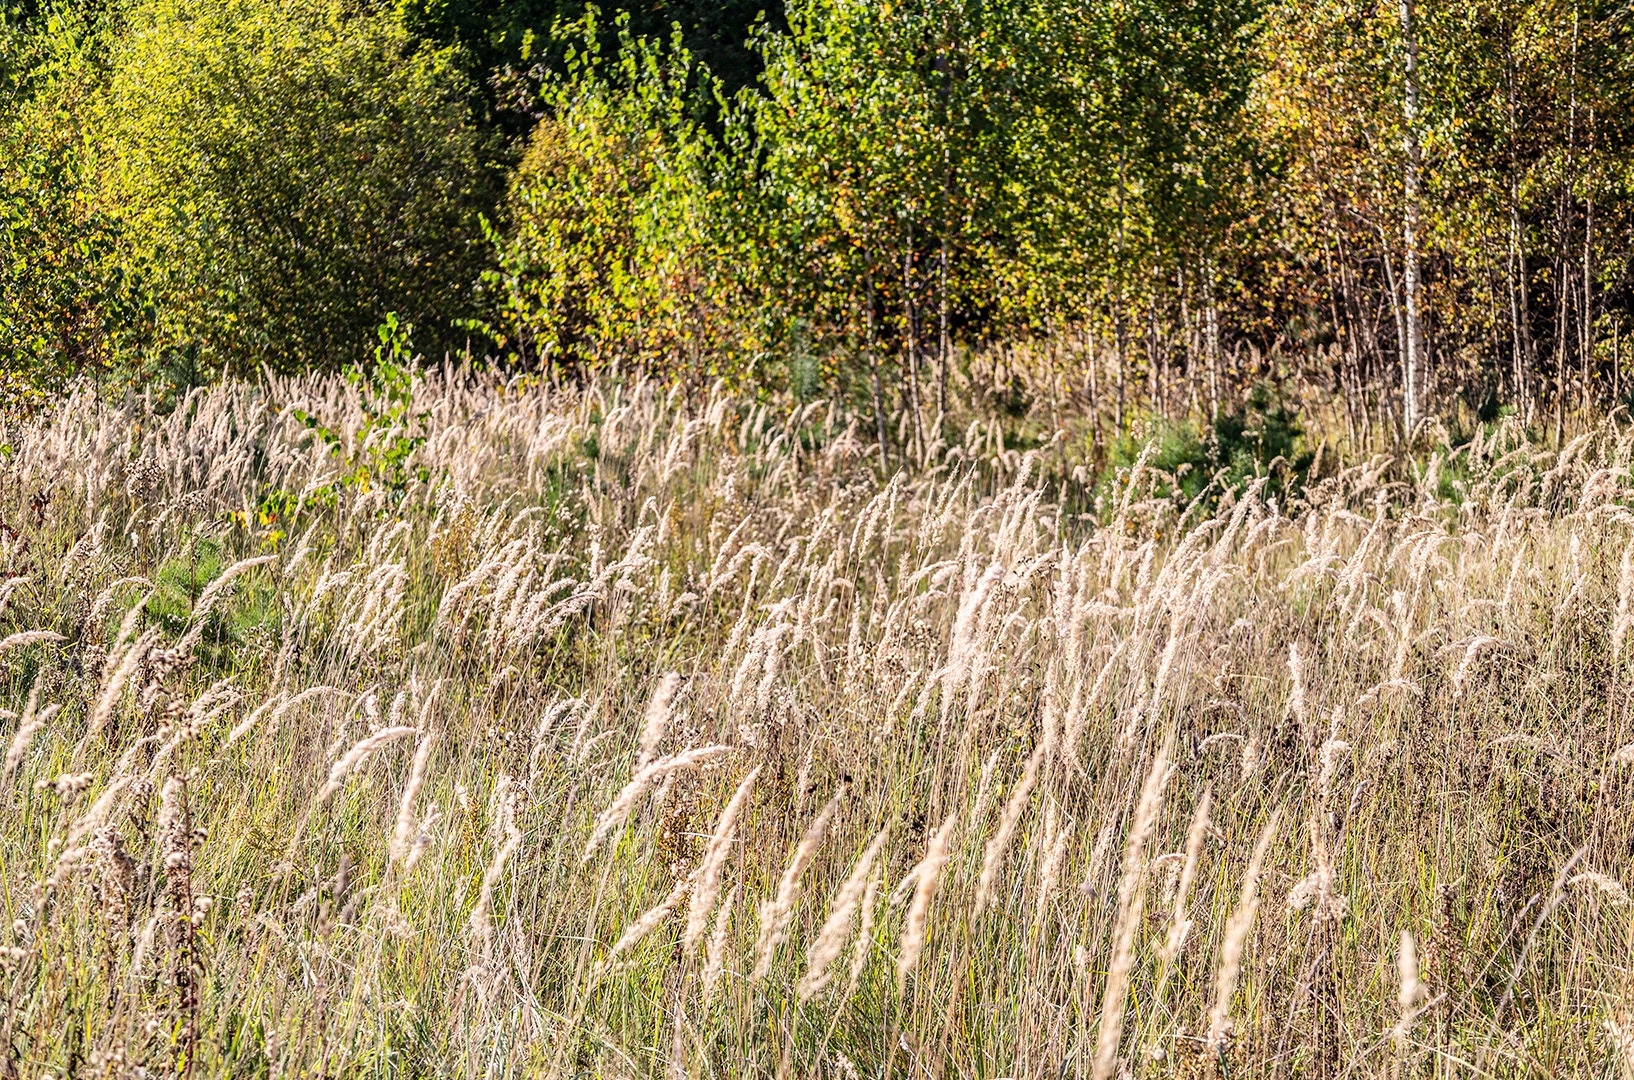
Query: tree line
x=1408 y=206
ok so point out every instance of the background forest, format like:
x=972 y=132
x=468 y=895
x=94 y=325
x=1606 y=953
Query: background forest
x=1143 y=210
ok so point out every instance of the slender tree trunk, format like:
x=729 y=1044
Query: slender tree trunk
x=1092 y=377
x=1189 y=340
x=1401 y=326
x=1587 y=321
x=1586 y=313
x=910 y=331
x=1121 y=347
x=1119 y=337
x=1342 y=340
x=1525 y=353
x=1212 y=315
x=1410 y=359
x=944 y=346
x=873 y=366
x=1562 y=245
x=1563 y=295
x=1616 y=364
x=1520 y=315
x=1155 y=357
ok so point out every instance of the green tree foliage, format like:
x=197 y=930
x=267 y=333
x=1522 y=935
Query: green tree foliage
x=1391 y=210
x=1524 y=124
x=608 y=255
x=502 y=38
x=68 y=302
x=290 y=170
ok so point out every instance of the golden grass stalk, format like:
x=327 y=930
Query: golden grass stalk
x=1180 y=923
x=481 y=916
x=353 y=757
x=713 y=861
x=619 y=811
x=1236 y=938
x=715 y=955
x=865 y=936
x=27 y=727
x=657 y=718
x=406 y=826
x=925 y=876
x=1131 y=899
x=993 y=854
x=647 y=923
x=831 y=939
x=1409 y=995
x=28 y=637
x=776 y=913
x=176 y=850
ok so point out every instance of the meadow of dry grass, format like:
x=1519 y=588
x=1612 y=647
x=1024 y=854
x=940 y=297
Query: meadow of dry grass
x=613 y=734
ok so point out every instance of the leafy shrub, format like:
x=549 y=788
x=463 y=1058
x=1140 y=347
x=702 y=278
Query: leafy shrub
x=68 y=302
x=293 y=169
x=1244 y=443
x=607 y=254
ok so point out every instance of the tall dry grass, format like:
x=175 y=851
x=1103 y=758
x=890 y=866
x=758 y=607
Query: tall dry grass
x=651 y=736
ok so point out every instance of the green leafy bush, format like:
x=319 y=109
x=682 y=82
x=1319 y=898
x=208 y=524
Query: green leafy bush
x=69 y=303
x=293 y=169
x=1261 y=437
x=609 y=252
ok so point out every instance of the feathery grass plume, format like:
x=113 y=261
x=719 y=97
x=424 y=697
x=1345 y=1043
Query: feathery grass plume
x=1472 y=653
x=1099 y=853
x=1409 y=996
x=1236 y=938
x=1315 y=890
x=556 y=712
x=776 y=913
x=1180 y=922
x=1251 y=757
x=715 y=955
x=212 y=592
x=7 y=588
x=657 y=719
x=1057 y=838
x=647 y=923
x=1131 y=900
x=993 y=855
x=984 y=787
x=118 y=878
x=243 y=727
x=275 y=710
x=28 y=637
x=1296 y=693
x=622 y=806
x=1330 y=760
x=713 y=861
x=176 y=850
x=360 y=750
x=403 y=832
x=865 y=935
x=1621 y=1031
x=925 y=876
x=481 y=921
x=836 y=929
x=1625 y=604
x=1165 y=665
x=1608 y=886
x=29 y=726
x=113 y=681
x=1557 y=893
